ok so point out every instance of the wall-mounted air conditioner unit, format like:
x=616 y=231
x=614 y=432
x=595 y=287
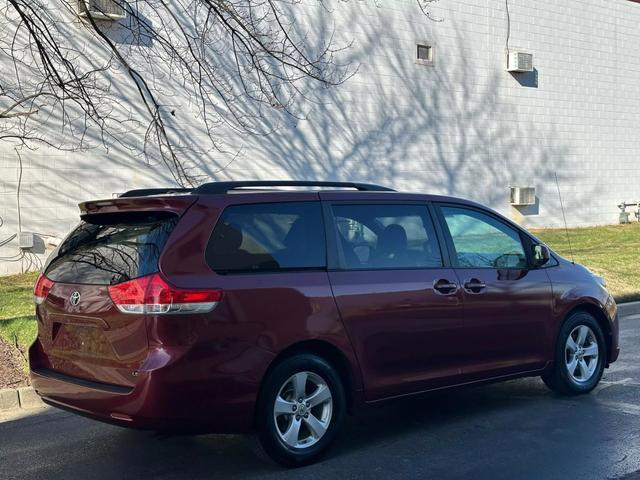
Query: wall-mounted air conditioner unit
x=102 y=9
x=523 y=196
x=519 y=62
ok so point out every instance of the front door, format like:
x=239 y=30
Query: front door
x=507 y=304
x=399 y=301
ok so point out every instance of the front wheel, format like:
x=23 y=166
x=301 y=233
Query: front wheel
x=580 y=356
x=300 y=409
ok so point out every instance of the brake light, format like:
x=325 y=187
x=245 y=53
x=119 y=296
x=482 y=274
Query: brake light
x=41 y=289
x=152 y=294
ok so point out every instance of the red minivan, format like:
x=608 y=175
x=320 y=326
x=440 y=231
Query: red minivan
x=240 y=306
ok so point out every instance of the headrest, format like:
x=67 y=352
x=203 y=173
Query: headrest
x=297 y=236
x=227 y=238
x=392 y=238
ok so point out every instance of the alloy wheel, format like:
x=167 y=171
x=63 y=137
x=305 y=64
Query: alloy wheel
x=302 y=410
x=581 y=354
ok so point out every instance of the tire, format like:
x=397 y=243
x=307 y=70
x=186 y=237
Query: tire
x=585 y=375
x=318 y=424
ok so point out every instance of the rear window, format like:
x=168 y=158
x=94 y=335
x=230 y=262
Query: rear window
x=268 y=237
x=110 y=249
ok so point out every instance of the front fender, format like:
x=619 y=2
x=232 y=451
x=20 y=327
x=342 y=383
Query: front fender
x=575 y=288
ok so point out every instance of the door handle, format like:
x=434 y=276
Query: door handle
x=474 y=285
x=445 y=287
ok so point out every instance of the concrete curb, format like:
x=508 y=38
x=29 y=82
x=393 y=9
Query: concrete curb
x=9 y=400
x=19 y=398
x=628 y=309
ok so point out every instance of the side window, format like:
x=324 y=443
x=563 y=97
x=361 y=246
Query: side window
x=386 y=236
x=481 y=241
x=267 y=237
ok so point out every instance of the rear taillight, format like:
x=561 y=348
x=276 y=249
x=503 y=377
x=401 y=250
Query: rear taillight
x=153 y=295
x=41 y=289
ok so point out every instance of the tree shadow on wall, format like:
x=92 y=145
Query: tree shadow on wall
x=445 y=129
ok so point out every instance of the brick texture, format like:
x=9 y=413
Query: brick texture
x=463 y=126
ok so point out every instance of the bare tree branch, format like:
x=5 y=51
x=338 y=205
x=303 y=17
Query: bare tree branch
x=69 y=83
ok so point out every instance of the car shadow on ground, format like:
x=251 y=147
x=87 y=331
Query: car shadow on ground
x=418 y=420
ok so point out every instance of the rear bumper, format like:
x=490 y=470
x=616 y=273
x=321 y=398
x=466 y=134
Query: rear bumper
x=175 y=390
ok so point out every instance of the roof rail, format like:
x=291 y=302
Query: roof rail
x=145 y=192
x=224 y=187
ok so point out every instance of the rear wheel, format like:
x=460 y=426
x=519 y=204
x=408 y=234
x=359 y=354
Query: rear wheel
x=300 y=409
x=580 y=356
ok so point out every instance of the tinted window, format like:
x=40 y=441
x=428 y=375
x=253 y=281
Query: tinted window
x=386 y=236
x=270 y=236
x=112 y=250
x=482 y=241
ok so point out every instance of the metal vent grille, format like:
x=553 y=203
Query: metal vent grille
x=525 y=61
x=424 y=54
x=26 y=240
x=520 y=62
x=521 y=196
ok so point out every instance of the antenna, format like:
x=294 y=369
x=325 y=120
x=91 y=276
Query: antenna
x=564 y=218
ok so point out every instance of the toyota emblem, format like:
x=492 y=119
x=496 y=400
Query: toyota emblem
x=74 y=298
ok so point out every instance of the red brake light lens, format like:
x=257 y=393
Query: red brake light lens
x=41 y=289
x=152 y=294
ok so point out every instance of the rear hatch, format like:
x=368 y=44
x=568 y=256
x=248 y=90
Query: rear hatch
x=81 y=330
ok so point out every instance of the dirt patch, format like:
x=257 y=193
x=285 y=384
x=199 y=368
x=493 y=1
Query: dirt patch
x=11 y=367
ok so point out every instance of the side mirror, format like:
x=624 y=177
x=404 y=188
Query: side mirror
x=541 y=255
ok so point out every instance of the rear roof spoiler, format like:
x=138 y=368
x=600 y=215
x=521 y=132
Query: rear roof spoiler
x=177 y=204
x=145 y=192
x=212 y=188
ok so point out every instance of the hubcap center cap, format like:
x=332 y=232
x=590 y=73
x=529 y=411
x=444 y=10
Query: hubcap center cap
x=302 y=408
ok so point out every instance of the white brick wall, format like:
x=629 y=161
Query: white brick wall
x=464 y=127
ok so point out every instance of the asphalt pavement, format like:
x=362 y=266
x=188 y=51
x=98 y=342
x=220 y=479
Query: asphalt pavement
x=513 y=430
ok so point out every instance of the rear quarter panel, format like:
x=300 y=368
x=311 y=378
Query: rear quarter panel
x=260 y=315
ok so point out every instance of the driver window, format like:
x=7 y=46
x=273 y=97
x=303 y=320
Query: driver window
x=481 y=241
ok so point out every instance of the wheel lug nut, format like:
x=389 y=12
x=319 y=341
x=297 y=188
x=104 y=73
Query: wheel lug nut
x=308 y=404
x=294 y=408
x=300 y=400
x=306 y=415
x=297 y=417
